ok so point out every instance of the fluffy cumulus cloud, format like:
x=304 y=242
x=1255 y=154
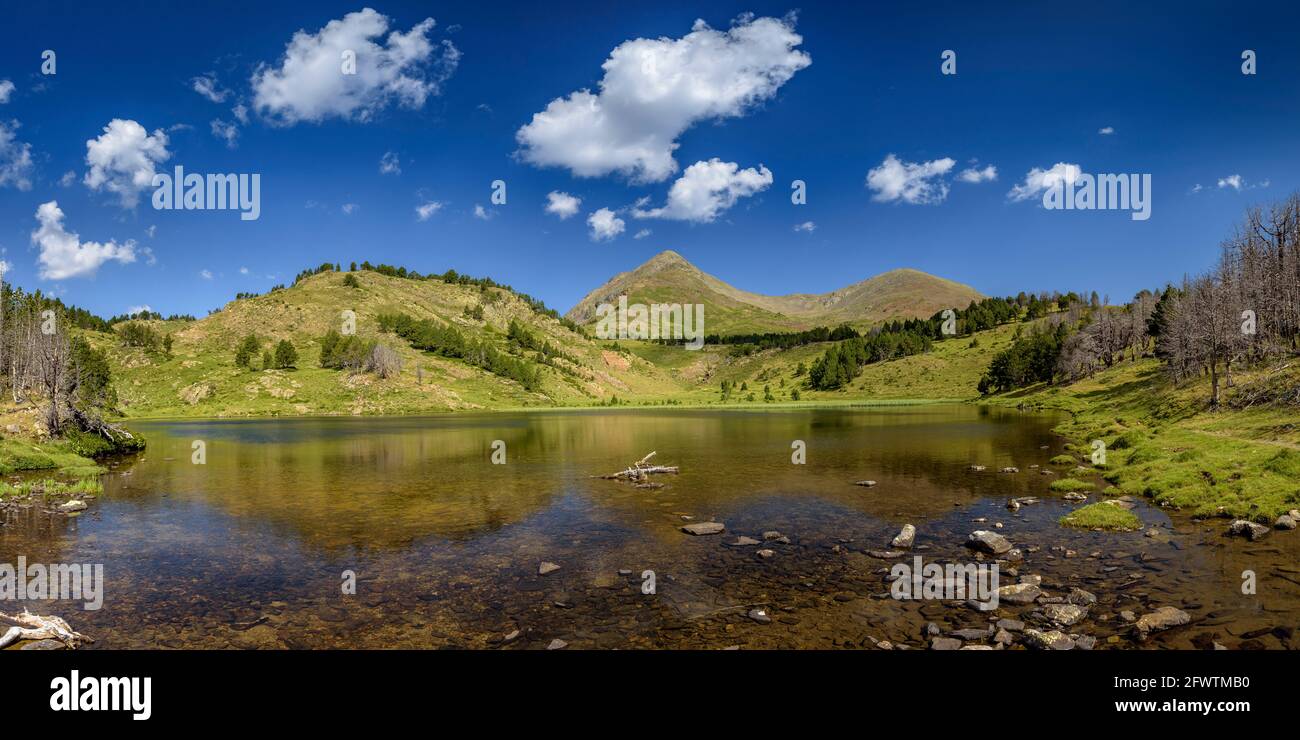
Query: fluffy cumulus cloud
x=62 y=253
x=562 y=204
x=655 y=89
x=15 y=158
x=1038 y=180
x=6 y=89
x=918 y=183
x=123 y=160
x=605 y=225
x=977 y=175
x=706 y=189
x=309 y=85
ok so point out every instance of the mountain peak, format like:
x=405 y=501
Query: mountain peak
x=667 y=276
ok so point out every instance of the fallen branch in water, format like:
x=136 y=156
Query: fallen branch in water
x=36 y=627
x=640 y=469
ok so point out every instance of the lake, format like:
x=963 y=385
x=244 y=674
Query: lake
x=253 y=547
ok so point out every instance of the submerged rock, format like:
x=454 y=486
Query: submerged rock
x=743 y=541
x=759 y=615
x=1019 y=593
x=73 y=505
x=703 y=528
x=1064 y=615
x=945 y=643
x=557 y=644
x=546 y=568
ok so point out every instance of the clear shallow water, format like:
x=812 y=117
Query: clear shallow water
x=248 y=550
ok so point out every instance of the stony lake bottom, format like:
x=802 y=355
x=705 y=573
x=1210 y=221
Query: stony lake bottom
x=252 y=548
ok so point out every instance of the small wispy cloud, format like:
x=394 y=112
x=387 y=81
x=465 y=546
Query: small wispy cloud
x=807 y=227
x=1106 y=130
x=425 y=211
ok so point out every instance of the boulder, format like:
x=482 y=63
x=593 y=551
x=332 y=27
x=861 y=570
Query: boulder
x=1248 y=529
x=1051 y=640
x=1286 y=521
x=1166 y=617
x=905 y=538
x=703 y=528
x=989 y=542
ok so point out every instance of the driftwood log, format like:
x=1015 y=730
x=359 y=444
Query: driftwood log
x=35 y=627
x=638 y=470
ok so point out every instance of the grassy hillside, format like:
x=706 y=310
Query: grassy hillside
x=669 y=278
x=200 y=378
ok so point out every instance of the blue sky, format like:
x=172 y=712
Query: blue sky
x=1034 y=87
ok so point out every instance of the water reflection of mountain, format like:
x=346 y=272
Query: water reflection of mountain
x=337 y=483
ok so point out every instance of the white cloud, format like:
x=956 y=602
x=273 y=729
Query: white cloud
x=243 y=271
x=149 y=257
x=605 y=225
x=123 y=158
x=1239 y=183
x=973 y=175
x=426 y=210
x=226 y=131
x=1106 y=130
x=1038 y=180
x=643 y=233
x=68 y=179
x=911 y=182
x=653 y=90
x=807 y=226
x=153 y=229
x=133 y=310
x=308 y=84
x=562 y=204
x=206 y=85
x=707 y=189
x=389 y=164
x=6 y=89
x=241 y=112
x=205 y=274
x=15 y=158
x=63 y=254
x=349 y=208
x=482 y=213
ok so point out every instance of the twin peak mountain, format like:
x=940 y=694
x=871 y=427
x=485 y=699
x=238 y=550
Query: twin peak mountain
x=669 y=278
